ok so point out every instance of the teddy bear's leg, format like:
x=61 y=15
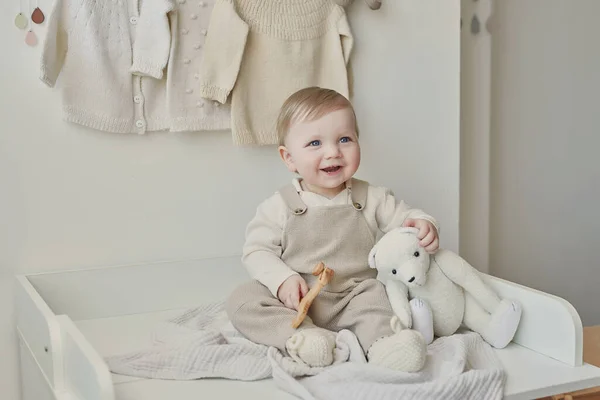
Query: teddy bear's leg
x=498 y=328
x=422 y=318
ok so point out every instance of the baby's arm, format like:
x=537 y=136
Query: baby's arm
x=391 y=213
x=262 y=249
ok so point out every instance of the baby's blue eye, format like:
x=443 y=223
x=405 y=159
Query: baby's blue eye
x=315 y=143
x=345 y=139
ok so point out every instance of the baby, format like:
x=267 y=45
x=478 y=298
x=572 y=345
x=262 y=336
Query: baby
x=323 y=215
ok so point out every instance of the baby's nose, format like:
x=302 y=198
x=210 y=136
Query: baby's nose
x=333 y=151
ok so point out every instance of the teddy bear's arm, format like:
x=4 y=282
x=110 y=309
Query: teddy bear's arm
x=398 y=296
x=464 y=275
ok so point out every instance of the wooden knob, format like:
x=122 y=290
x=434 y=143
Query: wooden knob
x=318 y=269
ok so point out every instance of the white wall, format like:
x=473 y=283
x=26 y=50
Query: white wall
x=545 y=174
x=475 y=136
x=78 y=198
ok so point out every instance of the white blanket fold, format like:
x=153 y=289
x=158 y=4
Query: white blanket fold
x=201 y=343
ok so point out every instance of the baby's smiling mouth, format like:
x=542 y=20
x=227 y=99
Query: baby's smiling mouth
x=331 y=169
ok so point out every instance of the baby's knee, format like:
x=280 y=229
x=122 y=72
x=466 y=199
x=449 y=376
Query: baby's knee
x=240 y=296
x=247 y=295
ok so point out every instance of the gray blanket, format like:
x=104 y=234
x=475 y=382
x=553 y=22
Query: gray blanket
x=202 y=343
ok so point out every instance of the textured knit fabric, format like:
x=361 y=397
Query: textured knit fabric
x=261 y=51
x=265 y=245
x=201 y=344
x=188 y=111
x=405 y=351
x=448 y=309
x=365 y=310
x=337 y=236
x=458 y=367
x=112 y=56
x=314 y=347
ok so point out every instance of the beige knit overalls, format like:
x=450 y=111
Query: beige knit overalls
x=340 y=237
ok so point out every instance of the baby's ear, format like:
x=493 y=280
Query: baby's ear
x=372 y=253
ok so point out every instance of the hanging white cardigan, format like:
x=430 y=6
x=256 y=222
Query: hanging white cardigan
x=112 y=58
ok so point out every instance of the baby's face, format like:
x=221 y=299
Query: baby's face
x=325 y=152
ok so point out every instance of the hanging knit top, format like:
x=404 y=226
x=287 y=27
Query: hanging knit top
x=112 y=58
x=261 y=51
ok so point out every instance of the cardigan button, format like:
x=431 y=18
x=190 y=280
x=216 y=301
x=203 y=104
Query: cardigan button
x=194 y=16
x=216 y=104
x=358 y=206
x=137 y=99
x=200 y=104
x=139 y=123
x=133 y=20
x=197 y=46
x=185 y=31
x=204 y=32
x=188 y=91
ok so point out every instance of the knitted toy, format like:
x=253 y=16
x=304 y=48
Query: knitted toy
x=445 y=290
x=373 y=4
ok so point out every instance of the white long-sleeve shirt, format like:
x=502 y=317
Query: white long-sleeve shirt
x=264 y=235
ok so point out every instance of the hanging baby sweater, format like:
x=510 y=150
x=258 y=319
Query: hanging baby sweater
x=261 y=51
x=112 y=58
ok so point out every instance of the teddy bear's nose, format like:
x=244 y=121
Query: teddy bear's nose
x=411 y=279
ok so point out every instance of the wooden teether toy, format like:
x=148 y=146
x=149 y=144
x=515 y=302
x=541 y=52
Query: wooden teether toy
x=325 y=274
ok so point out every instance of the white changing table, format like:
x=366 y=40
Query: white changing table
x=67 y=321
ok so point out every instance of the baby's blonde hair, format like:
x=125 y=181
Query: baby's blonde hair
x=307 y=105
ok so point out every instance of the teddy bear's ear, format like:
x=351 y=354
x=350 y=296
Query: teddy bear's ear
x=372 y=263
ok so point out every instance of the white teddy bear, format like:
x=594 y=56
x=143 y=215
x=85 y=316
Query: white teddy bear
x=445 y=291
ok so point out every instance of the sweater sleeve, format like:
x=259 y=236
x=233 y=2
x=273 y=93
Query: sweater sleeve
x=262 y=249
x=391 y=213
x=153 y=39
x=346 y=37
x=55 y=45
x=223 y=51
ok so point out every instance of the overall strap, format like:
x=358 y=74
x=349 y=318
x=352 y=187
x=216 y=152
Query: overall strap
x=292 y=199
x=358 y=192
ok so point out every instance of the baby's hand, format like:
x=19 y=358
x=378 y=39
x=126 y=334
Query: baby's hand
x=291 y=291
x=427 y=233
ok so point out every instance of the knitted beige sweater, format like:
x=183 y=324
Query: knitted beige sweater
x=261 y=51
